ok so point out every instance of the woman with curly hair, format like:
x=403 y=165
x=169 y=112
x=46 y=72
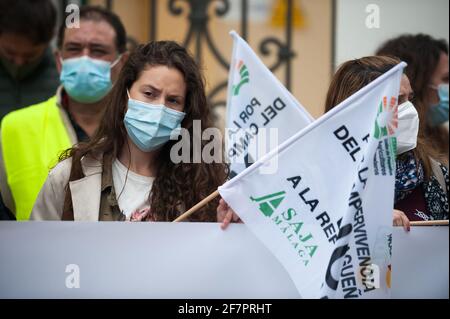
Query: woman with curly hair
x=125 y=172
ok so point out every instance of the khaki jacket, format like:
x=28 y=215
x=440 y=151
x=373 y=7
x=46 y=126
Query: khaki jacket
x=85 y=192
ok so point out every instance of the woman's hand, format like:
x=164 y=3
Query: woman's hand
x=400 y=219
x=225 y=215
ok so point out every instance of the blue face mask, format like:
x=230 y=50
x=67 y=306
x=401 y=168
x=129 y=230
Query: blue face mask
x=86 y=80
x=150 y=126
x=438 y=114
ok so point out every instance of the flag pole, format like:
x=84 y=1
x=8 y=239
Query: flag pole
x=197 y=207
x=430 y=223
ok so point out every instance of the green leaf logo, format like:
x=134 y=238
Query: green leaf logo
x=268 y=204
x=244 y=78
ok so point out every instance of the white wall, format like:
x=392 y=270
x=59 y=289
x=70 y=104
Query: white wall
x=354 y=39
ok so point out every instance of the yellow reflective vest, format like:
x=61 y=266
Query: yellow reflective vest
x=32 y=140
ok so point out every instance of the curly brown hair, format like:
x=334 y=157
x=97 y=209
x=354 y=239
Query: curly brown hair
x=177 y=186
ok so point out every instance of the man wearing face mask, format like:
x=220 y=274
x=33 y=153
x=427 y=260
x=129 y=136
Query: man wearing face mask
x=89 y=59
x=28 y=73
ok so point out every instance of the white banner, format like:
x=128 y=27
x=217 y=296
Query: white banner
x=182 y=261
x=259 y=109
x=420 y=263
x=330 y=203
x=137 y=260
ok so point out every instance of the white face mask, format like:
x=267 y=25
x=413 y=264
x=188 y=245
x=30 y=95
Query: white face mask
x=408 y=128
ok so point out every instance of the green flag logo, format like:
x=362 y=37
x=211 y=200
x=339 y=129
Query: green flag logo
x=244 y=77
x=386 y=125
x=387 y=118
x=268 y=204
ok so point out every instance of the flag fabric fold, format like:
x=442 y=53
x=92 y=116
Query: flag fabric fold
x=257 y=105
x=326 y=214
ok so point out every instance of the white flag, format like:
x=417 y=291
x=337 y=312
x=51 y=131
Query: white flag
x=327 y=213
x=258 y=105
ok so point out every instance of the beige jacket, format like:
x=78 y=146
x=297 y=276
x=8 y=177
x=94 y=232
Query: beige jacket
x=86 y=192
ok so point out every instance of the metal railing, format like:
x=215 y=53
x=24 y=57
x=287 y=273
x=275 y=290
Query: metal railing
x=199 y=35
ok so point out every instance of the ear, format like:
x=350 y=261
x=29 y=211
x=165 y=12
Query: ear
x=115 y=71
x=58 y=58
x=124 y=58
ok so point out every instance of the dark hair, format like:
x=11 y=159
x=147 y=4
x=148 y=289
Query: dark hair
x=354 y=75
x=33 y=19
x=97 y=13
x=177 y=186
x=422 y=53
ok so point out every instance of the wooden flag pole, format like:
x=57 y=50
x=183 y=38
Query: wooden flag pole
x=197 y=207
x=430 y=223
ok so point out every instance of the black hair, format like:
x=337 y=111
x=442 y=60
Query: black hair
x=33 y=19
x=422 y=53
x=96 y=13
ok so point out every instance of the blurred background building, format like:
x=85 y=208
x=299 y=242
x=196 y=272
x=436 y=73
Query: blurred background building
x=302 y=41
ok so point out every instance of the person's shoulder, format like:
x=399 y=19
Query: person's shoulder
x=32 y=109
x=62 y=168
x=59 y=175
x=27 y=115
